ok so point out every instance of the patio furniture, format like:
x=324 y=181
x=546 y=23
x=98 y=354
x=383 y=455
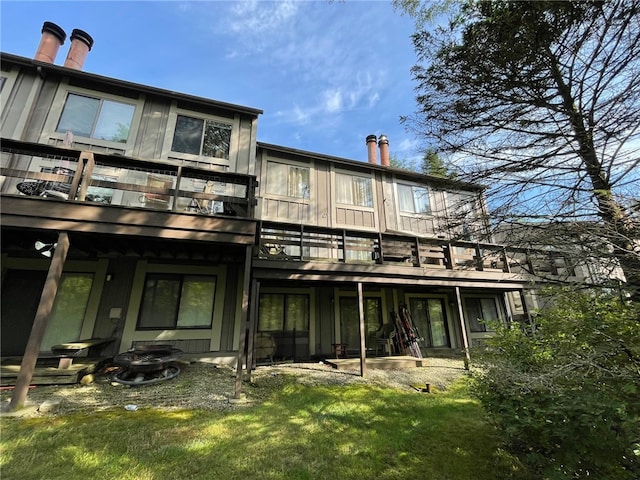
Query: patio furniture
x=340 y=349
x=82 y=348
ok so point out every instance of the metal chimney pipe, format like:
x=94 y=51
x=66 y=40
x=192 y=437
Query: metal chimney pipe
x=383 y=143
x=371 y=149
x=81 y=43
x=52 y=38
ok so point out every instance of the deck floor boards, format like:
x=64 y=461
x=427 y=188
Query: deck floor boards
x=47 y=371
x=382 y=363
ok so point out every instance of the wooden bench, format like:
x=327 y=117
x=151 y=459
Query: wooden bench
x=81 y=348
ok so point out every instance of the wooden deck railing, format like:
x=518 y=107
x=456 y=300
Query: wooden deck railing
x=294 y=242
x=52 y=172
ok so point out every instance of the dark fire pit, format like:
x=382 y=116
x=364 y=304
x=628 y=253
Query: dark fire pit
x=147 y=364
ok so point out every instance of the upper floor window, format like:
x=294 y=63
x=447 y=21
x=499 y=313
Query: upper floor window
x=99 y=118
x=2 y=80
x=462 y=205
x=413 y=199
x=287 y=180
x=354 y=190
x=197 y=136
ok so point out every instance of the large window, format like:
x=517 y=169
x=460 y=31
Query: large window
x=171 y=301
x=197 y=136
x=413 y=199
x=481 y=311
x=354 y=190
x=283 y=312
x=96 y=118
x=287 y=180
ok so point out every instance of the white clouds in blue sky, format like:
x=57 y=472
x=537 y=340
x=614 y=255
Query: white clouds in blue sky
x=326 y=73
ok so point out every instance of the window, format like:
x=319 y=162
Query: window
x=171 y=301
x=67 y=316
x=354 y=190
x=287 y=180
x=413 y=199
x=283 y=312
x=197 y=136
x=96 y=118
x=479 y=312
x=462 y=205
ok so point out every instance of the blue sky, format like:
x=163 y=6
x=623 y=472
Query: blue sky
x=326 y=73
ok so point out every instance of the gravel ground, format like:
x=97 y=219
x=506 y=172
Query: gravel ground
x=202 y=385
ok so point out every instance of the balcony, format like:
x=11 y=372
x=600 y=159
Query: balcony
x=51 y=172
x=64 y=189
x=303 y=243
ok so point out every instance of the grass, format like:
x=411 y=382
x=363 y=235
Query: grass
x=300 y=432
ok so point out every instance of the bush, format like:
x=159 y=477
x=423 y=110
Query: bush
x=566 y=394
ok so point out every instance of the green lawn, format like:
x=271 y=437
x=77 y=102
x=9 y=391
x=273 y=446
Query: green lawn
x=300 y=432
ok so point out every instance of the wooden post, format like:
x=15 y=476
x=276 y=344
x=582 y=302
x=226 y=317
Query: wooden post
x=89 y=161
x=363 y=346
x=243 y=322
x=463 y=329
x=40 y=323
x=527 y=313
x=253 y=316
x=449 y=256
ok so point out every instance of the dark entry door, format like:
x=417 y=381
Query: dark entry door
x=21 y=290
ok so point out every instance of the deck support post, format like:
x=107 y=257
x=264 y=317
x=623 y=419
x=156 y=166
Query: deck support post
x=40 y=321
x=361 y=328
x=253 y=321
x=463 y=329
x=243 y=322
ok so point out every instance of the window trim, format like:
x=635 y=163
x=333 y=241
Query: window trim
x=450 y=323
x=499 y=309
x=97 y=268
x=412 y=186
x=339 y=293
x=311 y=292
x=49 y=132
x=473 y=212
x=181 y=277
x=285 y=296
x=267 y=194
x=213 y=334
x=169 y=154
x=7 y=98
x=348 y=173
x=7 y=89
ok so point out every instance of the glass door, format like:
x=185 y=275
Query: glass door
x=349 y=320
x=430 y=319
x=21 y=291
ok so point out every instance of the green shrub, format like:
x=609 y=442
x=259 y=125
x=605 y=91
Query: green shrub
x=566 y=395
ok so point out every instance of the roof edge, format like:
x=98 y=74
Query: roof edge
x=61 y=70
x=367 y=165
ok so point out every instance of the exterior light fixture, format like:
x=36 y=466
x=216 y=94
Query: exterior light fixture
x=45 y=249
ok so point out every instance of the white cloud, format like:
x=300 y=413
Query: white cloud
x=332 y=101
x=253 y=18
x=407 y=145
x=373 y=99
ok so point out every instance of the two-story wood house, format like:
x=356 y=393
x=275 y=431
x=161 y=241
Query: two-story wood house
x=179 y=227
